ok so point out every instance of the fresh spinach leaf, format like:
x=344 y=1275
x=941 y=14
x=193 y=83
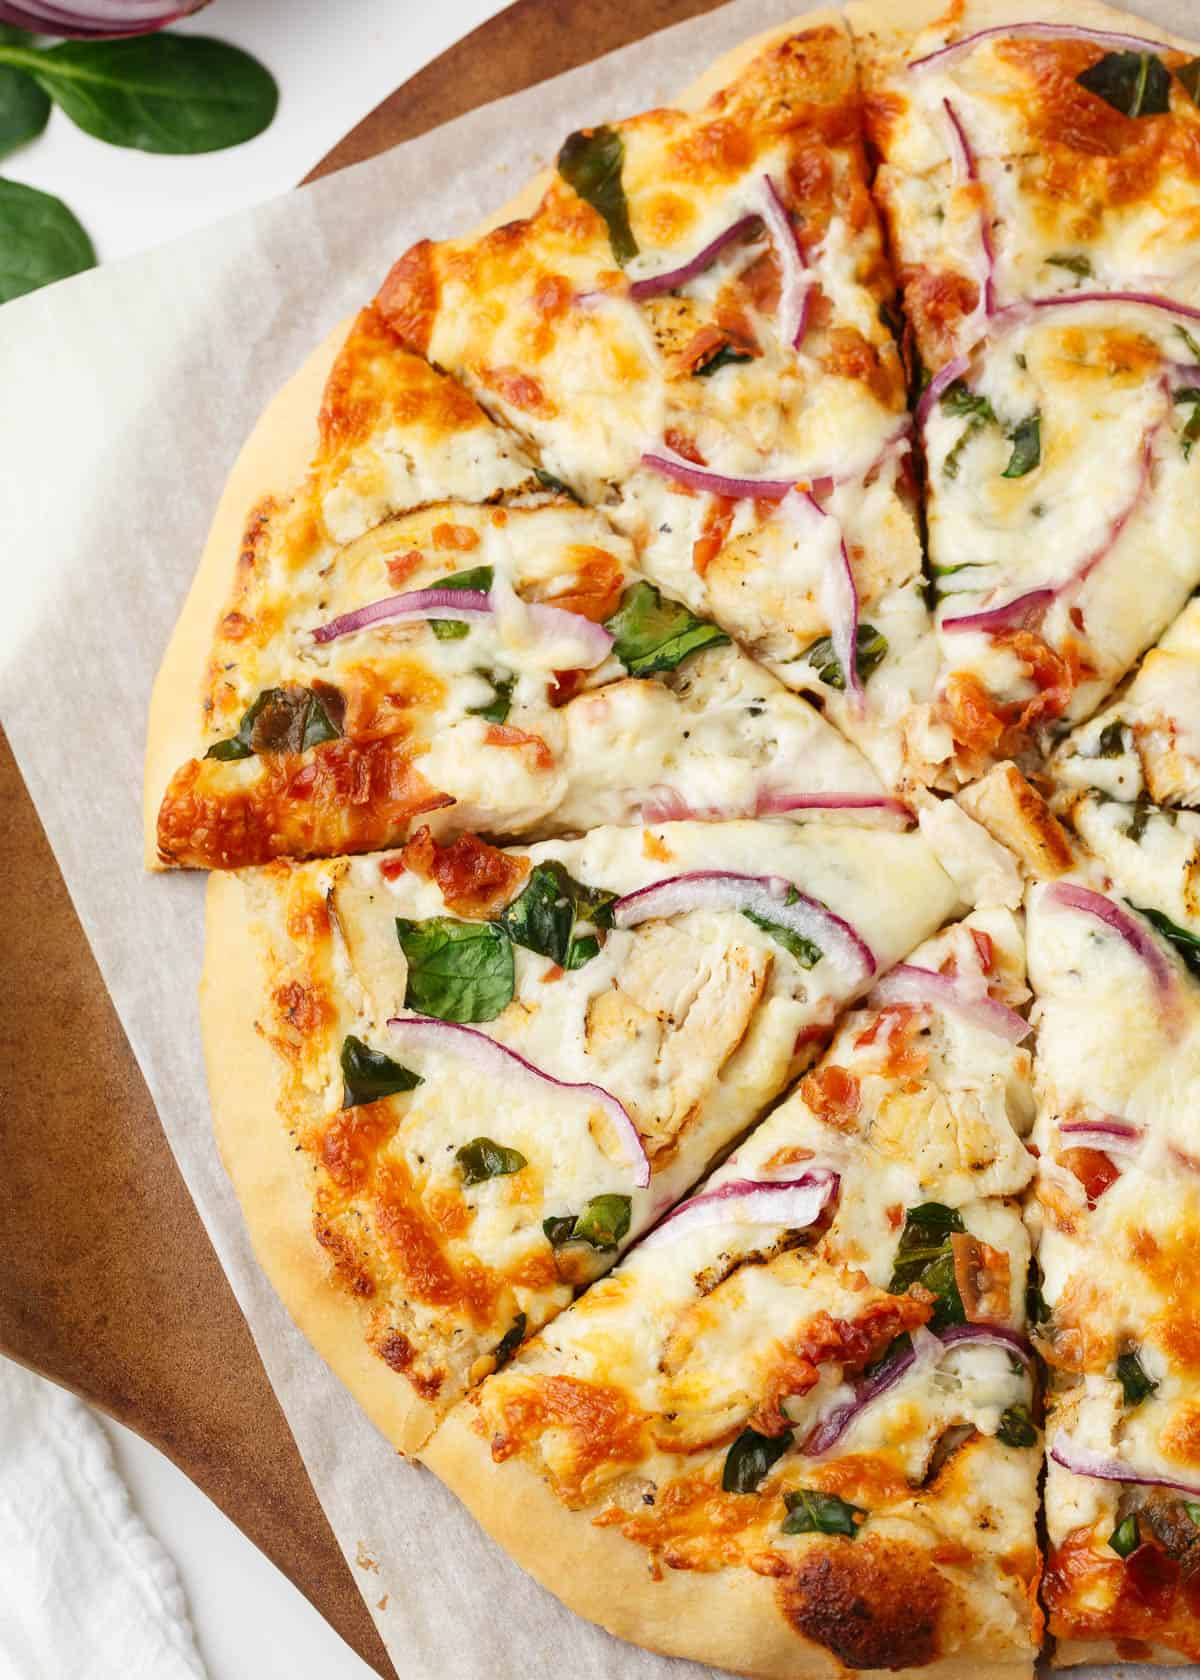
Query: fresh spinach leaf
x=549 y=482
x=280 y=720
x=451 y=629
x=509 y=1342
x=483 y=1158
x=1125 y=1538
x=603 y=1222
x=959 y=399
x=368 y=1075
x=1188 y=76
x=1137 y=84
x=157 y=93
x=457 y=971
x=24 y=105
x=1187 y=944
x=749 y=1459
x=1193 y=347
x=870 y=650
x=1191 y=431
x=1131 y=1374
x=1192 y=1509
x=725 y=356
x=544 y=916
x=590 y=162
x=1142 y=811
x=1074 y=262
x=40 y=241
x=925 y=1256
x=499 y=706
x=1112 y=740
x=1016 y=1427
x=1036 y=1310
x=652 y=634
x=806 y=952
x=1026 y=439
x=810 y=1512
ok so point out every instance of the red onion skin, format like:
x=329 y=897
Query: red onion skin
x=1089 y=903
x=971 y=170
x=717 y=484
x=640 y=290
x=1073 y=1458
x=816 y=1178
x=74 y=23
x=1051 y=31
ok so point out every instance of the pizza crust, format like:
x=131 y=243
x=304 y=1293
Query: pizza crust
x=891 y=18
x=1069 y=1653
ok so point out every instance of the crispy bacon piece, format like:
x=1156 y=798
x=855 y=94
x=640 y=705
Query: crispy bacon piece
x=507 y=735
x=597 y=582
x=1094 y=1170
x=474 y=879
x=713 y=533
x=983 y=1276
x=832 y=1093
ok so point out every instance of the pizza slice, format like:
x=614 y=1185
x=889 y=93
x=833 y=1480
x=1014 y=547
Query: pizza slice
x=687 y=325
x=795 y=1432
x=452 y=1083
x=1039 y=184
x=1115 y=1218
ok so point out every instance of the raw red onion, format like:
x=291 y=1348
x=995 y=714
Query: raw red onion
x=1023 y=611
x=910 y=984
x=839 y=602
x=1085 y=1461
x=640 y=290
x=776 y=804
x=791 y=1204
x=87 y=18
x=492 y=1059
x=1042 y=32
x=795 y=291
x=1110 y=1138
x=1071 y=897
x=764 y=895
x=941 y=381
x=965 y=158
x=668 y=464
x=467 y=606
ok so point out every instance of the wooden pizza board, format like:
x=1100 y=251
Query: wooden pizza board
x=108 y=1283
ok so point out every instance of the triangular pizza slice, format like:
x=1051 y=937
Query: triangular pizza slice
x=795 y=1432
x=452 y=1083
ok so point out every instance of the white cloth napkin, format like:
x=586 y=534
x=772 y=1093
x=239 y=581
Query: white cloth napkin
x=86 y=1593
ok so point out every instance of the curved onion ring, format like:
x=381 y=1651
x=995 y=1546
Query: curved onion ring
x=839 y=601
x=795 y=291
x=467 y=606
x=792 y=1204
x=1071 y=897
x=657 y=284
x=90 y=18
x=668 y=464
x=1110 y=1137
x=969 y=169
x=910 y=984
x=491 y=1058
x=1084 y=1461
x=1044 y=32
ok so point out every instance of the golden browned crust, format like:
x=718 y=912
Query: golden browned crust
x=1015 y=814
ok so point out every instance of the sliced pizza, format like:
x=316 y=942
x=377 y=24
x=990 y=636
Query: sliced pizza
x=689 y=330
x=1115 y=1217
x=795 y=1432
x=452 y=1083
x=1041 y=186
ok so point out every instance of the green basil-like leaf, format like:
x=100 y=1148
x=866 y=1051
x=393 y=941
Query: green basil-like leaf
x=1191 y=429
x=499 y=706
x=24 y=105
x=40 y=241
x=1188 y=77
x=1036 y=1310
x=1074 y=262
x=457 y=971
x=1026 y=439
x=959 y=398
x=543 y=916
x=1112 y=740
x=590 y=162
x=1193 y=346
x=652 y=634
x=810 y=1512
x=1143 y=810
x=1131 y=1374
x=725 y=356
x=749 y=1459
x=548 y=481
x=368 y=1075
x=280 y=720
x=1017 y=1428
x=806 y=951
x=483 y=1158
x=1192 y=1509
x=870 y=650
x=1187 y=944
x=603 y=1222
x=509 y=1342
x=451 y=629
x=1138 y=84
x=1125 y=1538
x=924 y=1256
x=156 y=93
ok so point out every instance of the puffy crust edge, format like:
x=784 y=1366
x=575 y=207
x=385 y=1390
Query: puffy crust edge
x=1069 y=1653
x=893 y=19
x=271 y=1177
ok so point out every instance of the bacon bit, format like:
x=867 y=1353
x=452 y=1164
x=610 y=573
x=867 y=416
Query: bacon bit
x=683 y=445
x=459 y=537
x=392 y=868
x=938 y=301
x=851 y=1343
x=1055 y=675
x=595 y=592
x=408 y=298
x=814 y=1034
x=499 y=516
x=976 y=721
x=899 y=1024
x=474 y=879
x=506 y=735
x=522 y=390
x=714 y=531
x=761 y=282
x=655 y=847
x=400 y=567
x=985 y=948
x=810 y=186
x=895 y=1215
x=1093 y=1169
x=848 y=355
x=833 y=1095
x=565 y=686
x=703 y=345
x=983 y=1276
x=554 y=972
x=789 y=1156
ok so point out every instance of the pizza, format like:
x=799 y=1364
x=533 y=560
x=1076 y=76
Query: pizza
x=690 y=708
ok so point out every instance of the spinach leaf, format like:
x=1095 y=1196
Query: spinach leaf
x=810 y=1512
x=591 y=161
x=603 y=1222
x=280 y=720
x=549 y=482
x=1188 y=76
x=509 y=1342
x=24 y=106
x=1125 y=1538
x=1192 y=1509
x=1137 y=84
x=652 y=634
x=450 y=629
x=1112 y=740
x=543 y=917
x=725 y=356
x=749 y=1459
x=1016 y=1427
x=1036 y=1310
x=368 y=1075
x=1192 y=346
x=499 y=706
x=457 y=971
x=483 y=1158
x=158 y=93
x=1026 y=439
x=1191 y=430
x=1143 y=810
x=870 y=650
x=977 y=410
x=806 y=952
x=40 y=241
x=924 y=1255
x=1131 y=1374
x=1187 y=944
x=1073 y=262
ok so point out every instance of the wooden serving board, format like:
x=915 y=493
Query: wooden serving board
x=108 y=1283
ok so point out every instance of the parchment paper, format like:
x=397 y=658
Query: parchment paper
x=125 y=396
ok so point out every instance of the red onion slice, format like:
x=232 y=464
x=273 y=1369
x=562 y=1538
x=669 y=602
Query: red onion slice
x=494 y=1060
x=463 y=605
x=777 y=803
x=1142 y=943
x=1110 y=1137
x=668 y=464
x=910 y=984
x=969 y=170
x=1041 y=32
x=941 y=381
x=795 y=290
x=90 y=18
x=1085 y=1461
x=839 y=602
x=657 y=284
x=791 y=1204
x=764 y=895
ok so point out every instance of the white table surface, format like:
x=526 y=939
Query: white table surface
x=334 y=60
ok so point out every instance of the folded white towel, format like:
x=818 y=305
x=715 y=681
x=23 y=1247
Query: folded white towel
x=86 y=1593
